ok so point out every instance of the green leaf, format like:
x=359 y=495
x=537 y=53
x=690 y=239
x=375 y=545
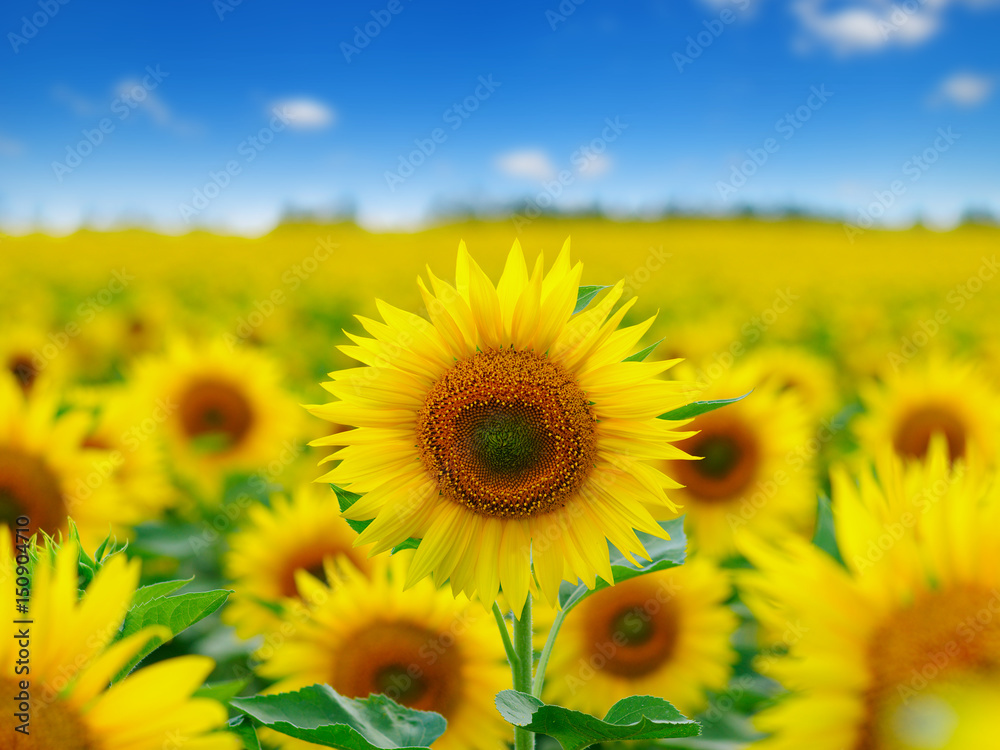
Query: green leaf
x=697 y=408
x=319 y=715
x=641 y=356
x=825 y=536
x=639 y=717
x=664 y=553
x=242 y=727
x=176 y=613
x=156 y=590
x=347 y=499
x=586 y=295
x=223 y=692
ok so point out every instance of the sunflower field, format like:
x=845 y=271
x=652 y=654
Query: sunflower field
x=689 y=483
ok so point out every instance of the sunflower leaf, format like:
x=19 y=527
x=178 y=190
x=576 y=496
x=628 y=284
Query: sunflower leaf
x=586 y=295
x=176 y=613
x=641 y=356
x=663 y=553
x=347 y=499
x=156 y=590
x=697 y=408
x=318 y=714
x=639 y=717
x=825 y=536
x=243 y=728
x=223 y=692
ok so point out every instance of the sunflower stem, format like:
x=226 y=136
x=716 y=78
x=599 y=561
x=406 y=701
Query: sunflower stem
x=521 y=671
x=543 y=659
x=508 y=646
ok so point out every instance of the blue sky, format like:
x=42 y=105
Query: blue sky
x=224 y=114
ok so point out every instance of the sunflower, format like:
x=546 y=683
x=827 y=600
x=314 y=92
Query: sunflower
x=73 y=659
x=222 y=410
x=809 y=376
x=140 y=475
x=46 y=472
x=422 y=647
x=505 y=431
x=755 y=471
x=665 y=634
x=910 y=627
x=303 y=535
x=934 y=395
x=30 y=351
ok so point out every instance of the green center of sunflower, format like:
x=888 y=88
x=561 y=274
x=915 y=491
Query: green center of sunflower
x=508 y=434
x=416 y=666
x=913 y=435
x=29 y=488
x=729 y=454
x=505 y=442
x=215 y=414
x=632 y=629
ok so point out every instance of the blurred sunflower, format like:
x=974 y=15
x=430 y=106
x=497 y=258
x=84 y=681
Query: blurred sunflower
x=141 y=477
x=74 y=658
x=506 y=421
x=297 y=543
x=755 y=471
x=812 y=378
x=912 y=622
x=921 y=398
x=222 y=410
x=665 y=634
x=46 y=472
x=27 y=353
x=422 y=647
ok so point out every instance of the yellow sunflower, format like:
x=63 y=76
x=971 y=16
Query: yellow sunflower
x=141 y=477
x=30 y=351
x=809 y=376
x=422 y=647
x=932 y=395
x=505 y=431
x=72 y=661
x=303 y=535
x=664 y=634
x=46 y=472
x=892 y=649
x=221 y=410
x=756 y=468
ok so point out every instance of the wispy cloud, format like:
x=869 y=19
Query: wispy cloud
x=872 y=25
x=531 y=164
x=963 y=90
x=306 y=113
x=140 y=94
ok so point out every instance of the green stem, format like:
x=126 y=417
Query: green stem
x=507 y=645
x=522 y=670
x=543 y=659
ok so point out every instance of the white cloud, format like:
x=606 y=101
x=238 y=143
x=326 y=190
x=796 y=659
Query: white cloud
x=532 y=164
x=10 y=147
x=140 y=94
x=307 y=114
x=871 y=25
x=597 y=165
x=963 y=90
